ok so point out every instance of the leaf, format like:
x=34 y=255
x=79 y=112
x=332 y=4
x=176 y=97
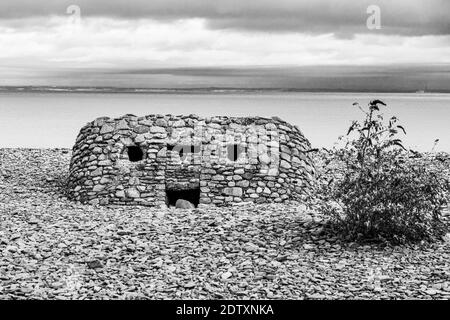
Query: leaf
x=415 y=153
x=393 y=132
x=312 y=150
x=359 y=156
x=375 y=102
x=403 y=129
x=400 y=145
x=352 y=127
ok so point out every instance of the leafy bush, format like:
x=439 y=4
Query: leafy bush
x=373 y=188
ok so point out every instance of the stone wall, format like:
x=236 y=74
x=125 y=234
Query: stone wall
x=228 y=159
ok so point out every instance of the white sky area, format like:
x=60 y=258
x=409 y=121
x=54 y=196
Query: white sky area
x=38 y=38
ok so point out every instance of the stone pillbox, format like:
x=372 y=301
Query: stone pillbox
x=158 y=159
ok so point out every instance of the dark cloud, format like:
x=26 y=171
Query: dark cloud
x=343 y=17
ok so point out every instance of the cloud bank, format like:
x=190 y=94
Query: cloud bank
x=343 y=17
x=39 y=39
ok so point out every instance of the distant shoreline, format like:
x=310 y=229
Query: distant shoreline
x=199 y=90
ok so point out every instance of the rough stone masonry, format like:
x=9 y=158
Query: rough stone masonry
x=157 y=159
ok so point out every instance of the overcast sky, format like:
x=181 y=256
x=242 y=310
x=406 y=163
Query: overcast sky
x=40 y=42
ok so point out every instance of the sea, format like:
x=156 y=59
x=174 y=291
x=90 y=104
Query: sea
x=53 y=118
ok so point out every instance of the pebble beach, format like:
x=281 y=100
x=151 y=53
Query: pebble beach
x=54 y=248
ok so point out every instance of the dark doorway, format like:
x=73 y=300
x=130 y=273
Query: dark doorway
x=135 y=153
x=191 y=195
